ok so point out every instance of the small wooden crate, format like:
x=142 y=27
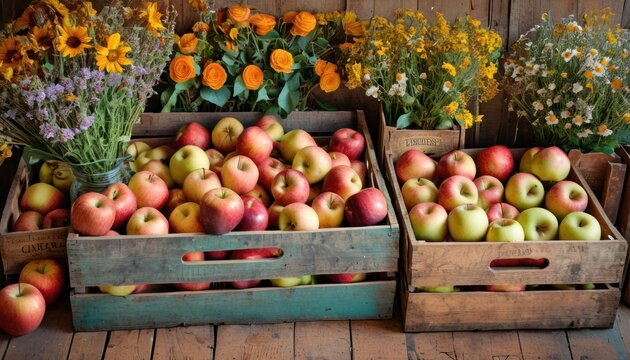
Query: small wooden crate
x=18 y=248
x=158 y=260
x=468 y=265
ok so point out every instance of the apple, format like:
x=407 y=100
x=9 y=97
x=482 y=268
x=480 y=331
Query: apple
x=457 y=190
x=160 y=169
x=186 y=160
x=365 y=208
x=193 y=256
x=47 y=275
x=348 y=141
x=298 y=217
x=185 y=219
x=251 y=254
x=274 y=211
x=290 y=186
x=136 y=148
x=418 y=190
x=292 y=281
x=505 y=287
x=267 y=171
x=92 y=214
x=124 y=200
x=147 y=221
x=489 y=189
x=56 y=218
x=505 y=230
x=29 y=221
x=439 y=289
x=272 y=127
x=429 y=221
x=456 y=162
x=496 y=161
x=143 y=288
x=117 y=290
x=112 y=233
x=538 y=224
x=564 y=197
x=225 y=133
x=198 y=182
x=347 y=277
x=259 y=193
x=43 y=198
x=162 y=153
x=192 y=133
x=240 y=174
x=314 y=190
x=525 y=164
x=524 y=191
x=330 y=208
x=176 y=197
x=313 y=161
x=150 y=190
x=414 y=164
x=254 y=143
x=22 y=309
x=501 y=211
x=221 y=210
x=63 y=178
x=551 y=164
x=579 y=225
x=47 y=170
x=255 y=216
x=217 y=254
x=360 y=168
x=293 y=141
x=342 y=180
x=339 y=158
x=216 y=159
x=467 y=222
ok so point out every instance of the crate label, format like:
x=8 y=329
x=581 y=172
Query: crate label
x=423 y=141
x=20 y=248
x=515 y=253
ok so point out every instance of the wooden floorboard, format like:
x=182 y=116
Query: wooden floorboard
x=88 y=345
x=544 y=345
x=130 y=344
x=184 y=342
x=378 y=339
x=596 y=344
x=272 y=342
x=623 y=322
x=4 y=342
x=430 y=346
x=319 y=340
x=478 y=345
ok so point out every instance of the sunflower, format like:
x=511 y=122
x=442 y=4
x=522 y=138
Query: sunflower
x=113 y=57
x=59 y=7
x=12 y=53
x=42 y=36
x=72 y=40
x=154 y=22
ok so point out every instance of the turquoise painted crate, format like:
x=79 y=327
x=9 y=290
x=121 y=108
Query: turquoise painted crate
x=123 y=260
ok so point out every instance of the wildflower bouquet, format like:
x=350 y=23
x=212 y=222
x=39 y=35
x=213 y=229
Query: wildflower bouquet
x=570 y=82
x=235 y=60
x=425 y=74
x=74 y=81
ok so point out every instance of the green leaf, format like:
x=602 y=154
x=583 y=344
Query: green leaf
x=289 y=96
x=48 y=67
x=165 y=95
x=273 y=110
x=408 y=100
x=403 y=121
x=303 y=41
x=262 y=95
x=228 y=60
x=216 y=97
x=179 y=87
x=272 y=35
x=239 y=86
x=323 y=43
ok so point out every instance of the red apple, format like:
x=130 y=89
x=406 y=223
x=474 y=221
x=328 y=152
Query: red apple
x=185 y=219
x=272 y=127
x=314 y=191
x=193 y=256
x=365 y=208
x=221 y=210
x=112 y=233
x=43 y=198
x=56 y=218
x=293 y=141
x=147 y=221
x=489 y=190
x=347 y=277
x=565 y=197
x=274 y=215
x=349 y=142
x=414 y=163
x=124 y=200
x=259 y=193
x=150 y=190
x=192 y=133
x=329 y=208
x=240 y=174
x=339 y=158
x=225 y=133
x=298 y=217
x=502 y=211
x=496 y=161
x=255 y=216
x=47 y=275
x=255 y=144
x=359 y=167
x=92 y=214
x=143 y=288
x=290 y=186
x=216 y=160
x=217 y=254
x=551 y=164
x=314 y=162
x=199 y=182
x=342 y=180
x=505 y=287
x=176 y=197
x=457 y=190
x=456 y=162
x=267 y=171
x=29 y=221
x=22 y=309
x=416 y=191
x=250 y=254
x=160 y=169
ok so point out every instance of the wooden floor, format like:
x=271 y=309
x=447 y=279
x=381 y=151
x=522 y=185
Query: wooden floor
x=368 y=339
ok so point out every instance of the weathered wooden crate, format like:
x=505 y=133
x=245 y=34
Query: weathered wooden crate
x=158 y=260
x=605 y=175
x=18 y=248
x=468 y=265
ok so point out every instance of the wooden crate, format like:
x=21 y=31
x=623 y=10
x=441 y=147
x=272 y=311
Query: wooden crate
x=157 y=260
x=18 y=248
x=605 y=175
x=623 y=218
x=468 y=265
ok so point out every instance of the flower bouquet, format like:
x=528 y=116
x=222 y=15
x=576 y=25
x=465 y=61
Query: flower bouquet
x=73 y=81
x=235 y=60
x=570 y=82
x=424 y=74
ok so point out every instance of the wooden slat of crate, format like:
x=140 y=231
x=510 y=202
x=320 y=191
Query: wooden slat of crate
x=623 y=219
x=369 y=300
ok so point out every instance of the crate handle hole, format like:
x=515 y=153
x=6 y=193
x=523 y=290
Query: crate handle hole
x=232 y=254
x=519 y=263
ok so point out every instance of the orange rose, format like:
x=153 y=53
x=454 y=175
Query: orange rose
x=330 y=81
x=253 y=77
x=238 y=14
x=214 y=76
x=182 y=68
x=263 y=23
x=356 y=28
x=322 y=67
x=200 y=26
x=289 y=16
x=303 y=23
x=281 y=61
x=188 y=43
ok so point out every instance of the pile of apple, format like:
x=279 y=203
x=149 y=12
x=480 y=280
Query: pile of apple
x=23 y=305
x=488 y=198
x=234 y=178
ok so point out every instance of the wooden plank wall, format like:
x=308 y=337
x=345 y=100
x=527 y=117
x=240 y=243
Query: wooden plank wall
x=508 y=17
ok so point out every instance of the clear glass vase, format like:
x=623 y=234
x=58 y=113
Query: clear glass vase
x=87 y=181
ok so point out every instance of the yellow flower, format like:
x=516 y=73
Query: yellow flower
x=451 y=108
x=87 y=10
x=154 y=17
x=43 y=36
x=112 y=58
x=449 y=68
x=589 y=85
x=616 y=84
x=233 y=33
x=626 y=118
x=479 y=118
x=588 y=74
x=612 y=39
x=5 y=151
x=59 y=8
x=72 y=40
x=564 y=75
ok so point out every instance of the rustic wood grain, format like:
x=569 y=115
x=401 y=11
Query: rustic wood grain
x=273 y=342
x=623 y=323
x=493 y=345
x=184 y=342
x=4 y=341
x=430 y=346
x=88 y=345
x=322 y=340
x=363 y=9
x=617 y=7
x=544 y=344
x=130 y=344
x=596 y=344
x=378 y=339
x=625 y=18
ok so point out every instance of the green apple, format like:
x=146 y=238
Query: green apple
x=467 y=222
x=225 y=133
x=579 y=225
x=63 y=178
x=538 y=224
x=292 y=141
x=429 y=221
x=505 y=230
x=526 y=160
x=292 y=281
x=117 y=290
x=524 y=191
x=439 y=289
x=551 y=164
x=418 y=190
x=162 y=153
x=186 y=160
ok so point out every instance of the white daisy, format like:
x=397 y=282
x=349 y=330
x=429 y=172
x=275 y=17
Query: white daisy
x=577 y=87
x=372 y=91
x=551 y=86
x=551 y=118
x=568 y=54
x=585 y=133
x=538 y=105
